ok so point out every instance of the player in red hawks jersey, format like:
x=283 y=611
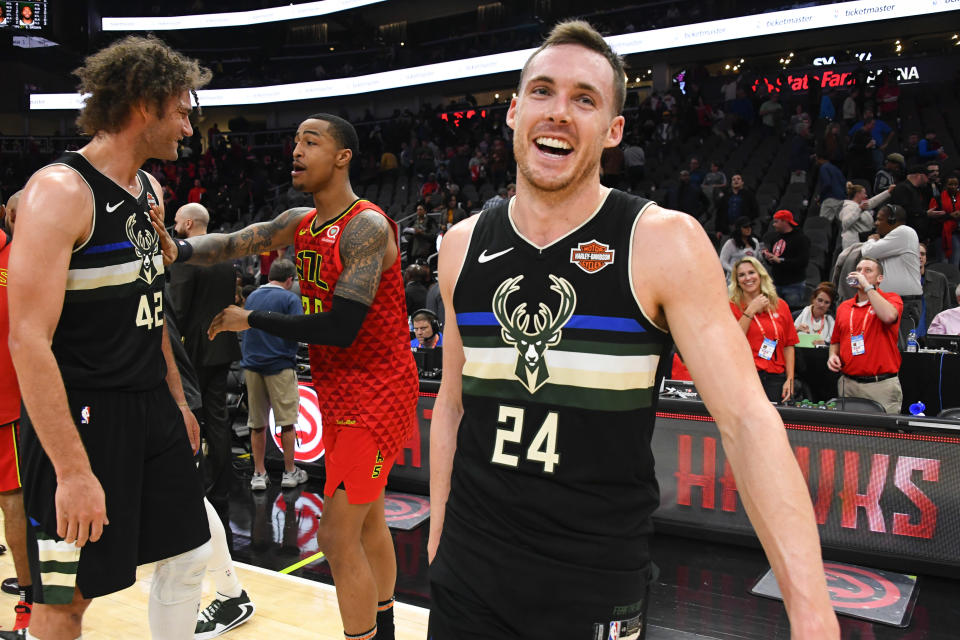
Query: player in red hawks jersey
x=354 y=319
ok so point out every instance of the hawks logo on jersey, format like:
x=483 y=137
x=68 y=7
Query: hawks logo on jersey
x=531 y=368
x=146 y=244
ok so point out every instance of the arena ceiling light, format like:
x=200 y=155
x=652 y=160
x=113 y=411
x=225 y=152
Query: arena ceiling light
x=764 y=24
x=233 y=18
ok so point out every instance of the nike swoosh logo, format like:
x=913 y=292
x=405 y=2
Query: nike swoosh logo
x=485 y=257
x=113 y=207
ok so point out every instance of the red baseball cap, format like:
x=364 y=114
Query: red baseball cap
x=783 y=214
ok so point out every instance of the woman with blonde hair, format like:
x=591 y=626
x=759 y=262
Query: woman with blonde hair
x=856 y=212
x=766 y=321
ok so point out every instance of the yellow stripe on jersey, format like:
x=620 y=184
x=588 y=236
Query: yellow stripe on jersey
x=110 y=276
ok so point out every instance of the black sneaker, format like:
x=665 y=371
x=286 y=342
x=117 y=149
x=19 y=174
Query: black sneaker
x=13 y=635
x=11 y=586
x=222 y=615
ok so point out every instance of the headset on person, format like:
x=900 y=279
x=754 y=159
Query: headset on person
x=431 y=317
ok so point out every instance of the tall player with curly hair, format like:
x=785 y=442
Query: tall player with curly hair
x=107 y=437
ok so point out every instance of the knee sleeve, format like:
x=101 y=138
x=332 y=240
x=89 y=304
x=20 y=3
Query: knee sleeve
x=179 y=579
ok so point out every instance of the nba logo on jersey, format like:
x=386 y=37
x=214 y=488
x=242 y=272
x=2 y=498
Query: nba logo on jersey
x=614 y=631
x=85 y=415
x=151 y=200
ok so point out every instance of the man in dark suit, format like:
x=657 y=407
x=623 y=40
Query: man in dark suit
x=936 y=293
x=198 y=294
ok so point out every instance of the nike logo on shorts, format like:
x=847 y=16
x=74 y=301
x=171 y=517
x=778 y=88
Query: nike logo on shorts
x=485 y=257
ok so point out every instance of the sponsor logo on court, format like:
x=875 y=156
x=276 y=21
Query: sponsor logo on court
x=592 y=256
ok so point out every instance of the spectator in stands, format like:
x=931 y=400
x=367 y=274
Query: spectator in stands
x=429 y=187
x=503 y=195
x=856 y=213
x=849 y=109
x=896 y=247
x=741 y=244
x=863 y=347
x=768 y=325
x=860 y=156
x=828 y=111
x=196 y=193
x=888 y=98
x=771 y=115
x=890 y=174
x=814 y=319
x=453 y=212
x=909 y=195
x=665 y=134
x=426 y=329
x=714 y=180
x=929 y=148
x=696 y=173
x=733 y=203
x=936 y=293
x=801 y=154
x=832 y=146
x=932 y=189
x=800 y=120
x=417 y=277
x=832 y=189
x=269 y=366
x=947 y=322
x=634 y=159
x=688 y=197
x=878 y=129
x=788 y=258
x=950 y=205
x=423 y=243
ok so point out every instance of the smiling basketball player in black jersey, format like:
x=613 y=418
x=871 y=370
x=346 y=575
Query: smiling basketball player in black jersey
x=109 y=480
x=561 y=306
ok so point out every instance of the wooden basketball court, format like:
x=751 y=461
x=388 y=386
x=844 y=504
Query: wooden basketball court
x=287 y=607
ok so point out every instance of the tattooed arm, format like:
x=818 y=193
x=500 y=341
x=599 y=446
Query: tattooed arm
x=216 y=247
x=365 y=249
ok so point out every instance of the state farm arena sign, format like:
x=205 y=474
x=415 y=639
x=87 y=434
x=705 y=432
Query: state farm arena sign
x=844 y=76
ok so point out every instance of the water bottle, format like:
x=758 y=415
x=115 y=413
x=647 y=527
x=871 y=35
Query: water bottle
x=917 y=408
x=912 y=342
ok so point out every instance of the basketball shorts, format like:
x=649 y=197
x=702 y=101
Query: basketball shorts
x=354 y=462
x=491 y=589
x=138 y=449
x=9 y=457
x=278 y=391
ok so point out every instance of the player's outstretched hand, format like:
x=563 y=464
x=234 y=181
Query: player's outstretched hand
x=81 y=508
x=233 y=318
x=167 y=246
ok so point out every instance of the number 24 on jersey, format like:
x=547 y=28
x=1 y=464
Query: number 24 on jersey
x=543 y=449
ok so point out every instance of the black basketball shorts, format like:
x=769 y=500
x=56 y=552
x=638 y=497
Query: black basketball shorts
x=139 y=451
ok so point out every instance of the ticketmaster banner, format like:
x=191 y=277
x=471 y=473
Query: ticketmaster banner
x=765 y=24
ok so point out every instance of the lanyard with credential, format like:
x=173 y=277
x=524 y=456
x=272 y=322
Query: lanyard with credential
x=858 y=344
x=776 y=330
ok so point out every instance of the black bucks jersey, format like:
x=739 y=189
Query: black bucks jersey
x=553 y=473
x=111 y=325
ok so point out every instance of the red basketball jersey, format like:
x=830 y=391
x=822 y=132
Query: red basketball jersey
x=9 y=390
x=372 y=383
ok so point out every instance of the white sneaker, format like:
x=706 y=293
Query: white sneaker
x=293 y=478
x=259 y=481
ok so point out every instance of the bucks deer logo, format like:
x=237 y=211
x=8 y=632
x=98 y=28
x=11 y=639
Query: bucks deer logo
x=531 y=368
x=145 y=243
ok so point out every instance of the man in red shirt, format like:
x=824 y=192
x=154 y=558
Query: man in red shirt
x=864 y=343
x=355 y=321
